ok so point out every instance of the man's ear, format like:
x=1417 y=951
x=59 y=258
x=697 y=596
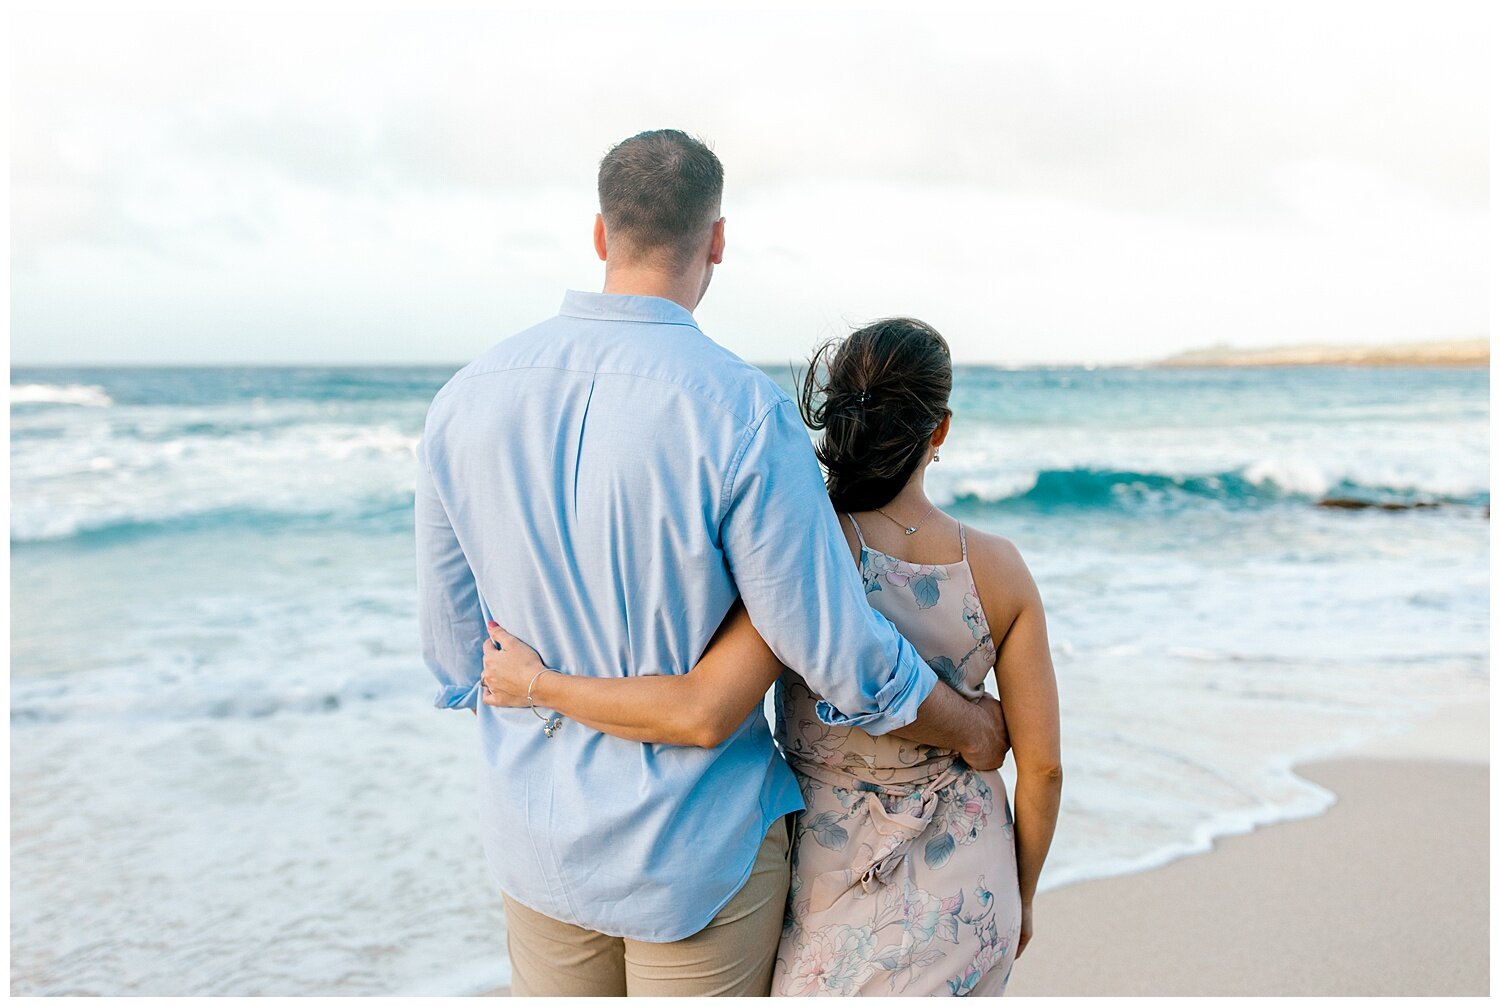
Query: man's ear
x=941 y=433
x=599 y=244
x=716 y=243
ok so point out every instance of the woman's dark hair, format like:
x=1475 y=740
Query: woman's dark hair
x=877 y=395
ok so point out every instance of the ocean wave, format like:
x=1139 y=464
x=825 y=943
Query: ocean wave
x=60 y=395
x=380 y=513
x=1051 y=490
x=1257 y=484
x=102 y=484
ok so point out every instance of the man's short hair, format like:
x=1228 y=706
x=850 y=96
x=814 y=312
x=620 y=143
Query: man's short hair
x=658 y=191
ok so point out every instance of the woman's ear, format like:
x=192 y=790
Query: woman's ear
x=941 y=433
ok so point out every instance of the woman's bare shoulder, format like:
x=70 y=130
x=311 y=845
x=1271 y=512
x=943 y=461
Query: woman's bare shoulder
x=1001 y=573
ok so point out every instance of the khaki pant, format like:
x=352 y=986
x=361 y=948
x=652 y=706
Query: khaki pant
x=733 y=956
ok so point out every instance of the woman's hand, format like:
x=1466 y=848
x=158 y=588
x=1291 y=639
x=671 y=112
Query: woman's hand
x=702 y=708
x=509 y=668
x=1025 y=928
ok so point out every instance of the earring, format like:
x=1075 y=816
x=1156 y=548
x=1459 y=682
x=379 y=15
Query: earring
x=935 y=456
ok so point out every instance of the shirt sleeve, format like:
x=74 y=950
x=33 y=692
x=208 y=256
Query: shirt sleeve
x=449 y=615
x=803 y=593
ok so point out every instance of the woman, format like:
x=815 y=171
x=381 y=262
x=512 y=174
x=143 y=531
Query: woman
x=909 y=873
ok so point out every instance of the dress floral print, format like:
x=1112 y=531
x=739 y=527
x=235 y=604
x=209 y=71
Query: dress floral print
x=903 y=872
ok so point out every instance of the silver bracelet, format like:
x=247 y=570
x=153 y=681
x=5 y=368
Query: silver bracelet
x=550 y=724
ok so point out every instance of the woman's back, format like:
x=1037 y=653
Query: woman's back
x=903 y=872
x=936 y=606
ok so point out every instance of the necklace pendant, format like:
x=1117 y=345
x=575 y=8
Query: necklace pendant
x=911 y=531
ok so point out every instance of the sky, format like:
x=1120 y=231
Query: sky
x=1058 y=183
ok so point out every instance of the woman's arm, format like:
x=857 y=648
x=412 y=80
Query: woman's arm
x=1028 y=694
x=701 y=708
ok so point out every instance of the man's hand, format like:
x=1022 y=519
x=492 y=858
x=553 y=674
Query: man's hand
x=988 y=746
x=974 y=728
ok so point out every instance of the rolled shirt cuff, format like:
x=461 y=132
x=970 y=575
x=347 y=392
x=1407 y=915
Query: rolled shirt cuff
x=457 y=697
x=895 y=704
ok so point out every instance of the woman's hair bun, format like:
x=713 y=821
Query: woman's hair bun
x=877 y=395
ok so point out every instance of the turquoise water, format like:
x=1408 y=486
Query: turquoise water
x=226 y=779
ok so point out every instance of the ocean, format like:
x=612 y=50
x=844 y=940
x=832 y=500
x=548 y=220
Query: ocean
x=226 y=777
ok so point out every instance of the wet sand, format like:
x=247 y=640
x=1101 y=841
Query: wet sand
x=1385 y=894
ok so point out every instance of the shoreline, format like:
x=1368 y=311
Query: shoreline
x=1335 y=356
x=1315 y=905
x=1434 y=353
x=1384 y=893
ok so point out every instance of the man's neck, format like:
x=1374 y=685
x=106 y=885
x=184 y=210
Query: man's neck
x=684 y=290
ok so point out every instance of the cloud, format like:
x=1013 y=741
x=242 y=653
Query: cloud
x=1084 y=181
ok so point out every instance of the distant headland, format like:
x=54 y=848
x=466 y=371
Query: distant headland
x=1439 y=353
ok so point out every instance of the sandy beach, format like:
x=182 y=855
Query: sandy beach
x=1385 y=894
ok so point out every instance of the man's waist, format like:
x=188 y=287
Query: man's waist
x=606 y=779
x=637 y=855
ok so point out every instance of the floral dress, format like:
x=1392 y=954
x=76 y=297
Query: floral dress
x=904 y=867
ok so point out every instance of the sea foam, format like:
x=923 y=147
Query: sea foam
x=68 y=395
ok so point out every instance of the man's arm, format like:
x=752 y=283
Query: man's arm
x=975 y=730
x=703 y=707
x=805 y=597
x=449 y=615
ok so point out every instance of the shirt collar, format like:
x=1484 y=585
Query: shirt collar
x=625 y=308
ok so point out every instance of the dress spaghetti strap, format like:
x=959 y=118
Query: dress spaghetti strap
x=857 y=533
x=963 y=542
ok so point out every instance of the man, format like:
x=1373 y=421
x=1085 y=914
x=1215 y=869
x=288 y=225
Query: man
x=605 y=484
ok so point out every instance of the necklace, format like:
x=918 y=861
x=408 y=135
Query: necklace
x=909 y=529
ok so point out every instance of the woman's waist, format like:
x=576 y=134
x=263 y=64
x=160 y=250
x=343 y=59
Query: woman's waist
x=856 y=771
x=816 y=748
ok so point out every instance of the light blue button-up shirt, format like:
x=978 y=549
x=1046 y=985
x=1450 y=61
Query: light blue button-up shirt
x=604 y=485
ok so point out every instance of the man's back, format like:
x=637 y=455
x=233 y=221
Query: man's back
x=584 y=468
x=604 y=485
